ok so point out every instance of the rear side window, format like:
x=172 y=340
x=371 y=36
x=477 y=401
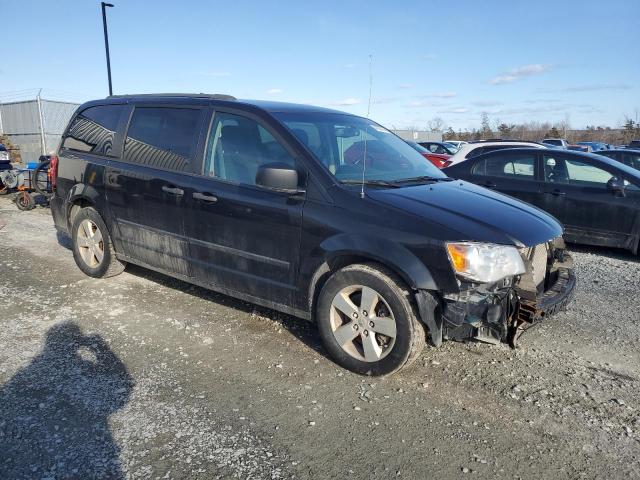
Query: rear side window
x=93 y=130
x=162 y=137
x=521 y=165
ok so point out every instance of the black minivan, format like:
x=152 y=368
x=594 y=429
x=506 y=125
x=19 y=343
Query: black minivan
x=317 y=213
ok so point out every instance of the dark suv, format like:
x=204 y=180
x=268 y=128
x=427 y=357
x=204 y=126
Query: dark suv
x=317 y=213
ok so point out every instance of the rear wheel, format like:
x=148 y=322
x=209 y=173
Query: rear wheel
x=92 y=248
x=367 y=321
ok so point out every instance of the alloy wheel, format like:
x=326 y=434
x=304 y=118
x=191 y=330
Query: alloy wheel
x=362 y=323
x=90 y=243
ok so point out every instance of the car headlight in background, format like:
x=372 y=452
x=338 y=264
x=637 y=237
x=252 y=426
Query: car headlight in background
x=485 y=262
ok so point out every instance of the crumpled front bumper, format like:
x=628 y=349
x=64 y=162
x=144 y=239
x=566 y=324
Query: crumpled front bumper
x=500 y=312
x=550 y=302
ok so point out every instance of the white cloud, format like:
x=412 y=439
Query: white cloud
x=454 y=110
x=346 y=102
x=519 y=73
x=486 y=103
x=439 y=95
x=596 y=87
x=215 y=74
x=383 y=100
x=405 y=86
x=350 y=65
x=274 y=91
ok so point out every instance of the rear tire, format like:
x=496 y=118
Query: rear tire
x=92 y=247
x=367 y=320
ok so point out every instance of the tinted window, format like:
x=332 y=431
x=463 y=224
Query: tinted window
x=519 y=165
x=574 y=172
x=162 y=137
x=238 y=146
x=632 y=159
x=93 y=130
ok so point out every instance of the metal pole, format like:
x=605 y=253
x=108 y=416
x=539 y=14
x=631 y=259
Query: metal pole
x=42 y=139
x=106 y=42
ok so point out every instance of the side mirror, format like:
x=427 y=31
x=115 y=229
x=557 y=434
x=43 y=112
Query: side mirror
x=278 y=176
x=616 y=185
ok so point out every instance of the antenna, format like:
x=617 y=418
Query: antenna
x=366 y=128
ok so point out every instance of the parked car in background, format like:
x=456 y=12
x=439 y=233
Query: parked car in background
x=595 y=146
x=314 y=212
x=553 y=147
x=627 y=156
x=472 y=149
x=438 y=147
x=580 y=148
x=439 y=160
x=456 y=143
x=558 y=142
x=596 y=198
x=634 y=144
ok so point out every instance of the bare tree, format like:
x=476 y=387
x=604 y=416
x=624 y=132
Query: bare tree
x=436 y=124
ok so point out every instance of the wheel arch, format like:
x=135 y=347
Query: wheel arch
x=344 y=250
x=80 y=196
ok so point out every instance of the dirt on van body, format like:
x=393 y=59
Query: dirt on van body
x=143 y=376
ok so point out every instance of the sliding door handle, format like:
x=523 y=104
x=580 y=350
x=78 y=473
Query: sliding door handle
x=205 y=197
x=172 y=190
x=556 y=192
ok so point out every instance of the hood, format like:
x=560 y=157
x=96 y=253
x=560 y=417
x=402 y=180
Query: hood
x=476 y=213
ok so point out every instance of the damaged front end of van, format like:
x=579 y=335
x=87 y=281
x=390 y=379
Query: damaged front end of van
x=503 y=291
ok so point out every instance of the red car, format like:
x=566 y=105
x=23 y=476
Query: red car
x=440 y=160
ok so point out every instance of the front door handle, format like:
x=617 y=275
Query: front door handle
x=205 y=197
x=556 y=192
x=172 y=190
x=490 y=184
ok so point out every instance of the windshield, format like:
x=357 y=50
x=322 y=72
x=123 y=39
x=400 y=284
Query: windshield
x=340 y=142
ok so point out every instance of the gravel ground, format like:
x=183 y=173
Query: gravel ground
x=143 y=376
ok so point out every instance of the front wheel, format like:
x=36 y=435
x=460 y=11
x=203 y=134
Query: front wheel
x=92 y=248
x=367 y=321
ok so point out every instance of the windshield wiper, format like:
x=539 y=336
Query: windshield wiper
x=375 y=183
x=423 y=178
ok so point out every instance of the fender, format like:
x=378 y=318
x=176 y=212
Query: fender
x=392 y=255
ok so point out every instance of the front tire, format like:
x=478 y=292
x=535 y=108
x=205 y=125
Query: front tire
x=367 y=321
x=92 y=248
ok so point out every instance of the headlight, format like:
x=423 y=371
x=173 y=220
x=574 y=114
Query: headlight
x=485 y=262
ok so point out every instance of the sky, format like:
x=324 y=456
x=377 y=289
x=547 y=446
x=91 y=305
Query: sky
x=519 y=61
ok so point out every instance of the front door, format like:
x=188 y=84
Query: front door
x=576 y=193
x=145 y=188
x=243 y=238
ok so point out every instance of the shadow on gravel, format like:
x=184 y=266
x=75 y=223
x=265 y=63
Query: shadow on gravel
x=303 y=330
x=616 y=253
x=54 y=412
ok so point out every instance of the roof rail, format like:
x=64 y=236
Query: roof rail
x=212 y=96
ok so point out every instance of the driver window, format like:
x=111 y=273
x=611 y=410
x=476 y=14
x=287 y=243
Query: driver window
x=238 y=146
x=574 y=172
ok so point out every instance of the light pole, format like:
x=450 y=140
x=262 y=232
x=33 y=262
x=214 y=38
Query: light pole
x=106 y=42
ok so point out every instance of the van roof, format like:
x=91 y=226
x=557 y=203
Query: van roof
x=269 y=106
